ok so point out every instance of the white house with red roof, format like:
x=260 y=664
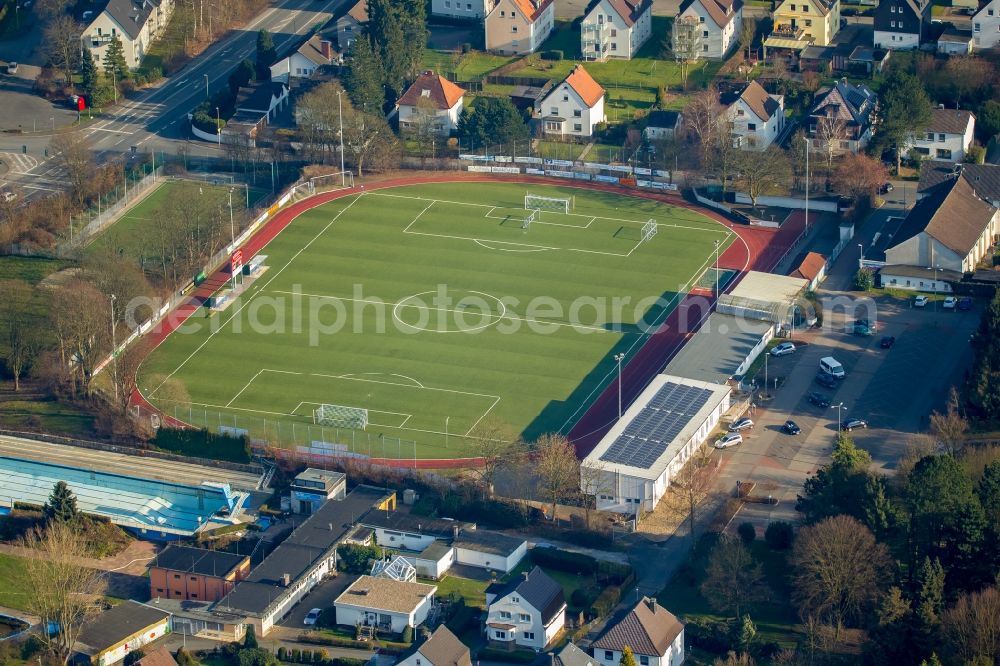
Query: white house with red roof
x=518 y=27
x=719 y=22
x=615 y=28
x=473 y=10
x=756 y=118
x=573 y=107
x=431 y=94
x=654 y=634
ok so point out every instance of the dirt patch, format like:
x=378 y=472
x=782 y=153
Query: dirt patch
x=60 y=278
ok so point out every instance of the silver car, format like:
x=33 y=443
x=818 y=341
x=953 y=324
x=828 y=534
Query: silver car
x=728 y=440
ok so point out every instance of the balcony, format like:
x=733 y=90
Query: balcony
x=785 y=36
x=594 y=40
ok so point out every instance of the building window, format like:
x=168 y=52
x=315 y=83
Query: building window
x=577 y=127
x=975 y=27
x=523 y=617
x=846 y=145
x=614 y=46
x=555 y=110
x=504 y=615
x=809 y=23
x=706 y=48
x=194 y=579
x=989 y=12
x=739 y=112
x=930 y=136
x=177 y=576
x=577 y=113
x=701 y=19
x=940 y=138
x=944 y=153
x=502 y=13
x=793 y=8
x=513 y=28
x=643 y=660
x=608 y=655
x=704 y=33
x=501 y=634
x=614 y=33
x=529 y=635
x=752 y=127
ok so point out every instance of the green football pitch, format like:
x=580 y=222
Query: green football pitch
x=436 y=308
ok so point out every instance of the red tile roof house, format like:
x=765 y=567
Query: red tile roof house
x=573 y=107
x=431 y=94
x=812 y=268
x=654 y=634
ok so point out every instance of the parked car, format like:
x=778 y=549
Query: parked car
x=744 y=423
x=950 y=303
x=965 y=303
x=919 y=301
x=818 y=399
x=886 y=188
x=728 y=440
x=826 y=379
x=887 y=341
x=312 y=616
x=782 y=349
x=853 y=424
x=12 y=68
x=791 y=427
x=864 y=330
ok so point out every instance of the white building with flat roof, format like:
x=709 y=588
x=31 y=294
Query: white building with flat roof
x=631 y=467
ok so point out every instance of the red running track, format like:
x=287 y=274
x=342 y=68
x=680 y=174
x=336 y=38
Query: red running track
x=760 y=249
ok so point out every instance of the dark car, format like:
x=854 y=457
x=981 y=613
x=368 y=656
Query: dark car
x=791 y=427
x=818 y=399
x=965 y=303
x=887 y=342
x=826 y=379
x=853 y=424
x=886 y=188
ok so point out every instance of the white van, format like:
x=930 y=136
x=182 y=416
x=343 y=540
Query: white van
x=832 y=366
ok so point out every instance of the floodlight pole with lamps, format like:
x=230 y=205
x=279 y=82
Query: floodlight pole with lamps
x=218 y=123
x=717 y=269
x=340 y=117
x=114 y=346
x=840 y=409
x=232 y=231
x=619 y=357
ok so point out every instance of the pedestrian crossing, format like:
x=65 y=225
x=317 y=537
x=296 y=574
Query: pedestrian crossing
x=18 y=162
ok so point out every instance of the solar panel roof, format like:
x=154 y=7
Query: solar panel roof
x=645 y=439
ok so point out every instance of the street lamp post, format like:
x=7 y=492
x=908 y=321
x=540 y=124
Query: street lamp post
x=218 y=123
x=619 y=357
x=935 y=269
x=114 y=347
x=840 y=409
x=717 y=269
x=861 y=260
x=207 y=96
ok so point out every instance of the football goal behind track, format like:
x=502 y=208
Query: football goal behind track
x=329 y=181
x=339 y=416
x=535 y=202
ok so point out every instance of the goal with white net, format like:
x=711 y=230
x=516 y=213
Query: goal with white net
x=648 y=230
x=331 y=181
x=526 y=222
x=535 y=202
x=339 y=416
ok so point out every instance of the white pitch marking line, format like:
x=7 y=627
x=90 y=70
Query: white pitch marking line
x=425 y=388
x=490 y=409
x=414 y=220
x=245 y=387
x=505 y=249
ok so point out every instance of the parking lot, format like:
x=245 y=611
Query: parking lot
x=322 y=596
x=895 y=390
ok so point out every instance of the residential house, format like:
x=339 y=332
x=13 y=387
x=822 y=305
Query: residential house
x=756 y=118
x=842 y=118
x=385 y=604
x=720 y=22
x=431 y=96
x=574 y=107
x=518 y=27
x=986 y=26
x=121 y=630
x=654 y=634
x=184 y=572
x=257 y=104
x=305 y=60
x=951 y=229
x=955 y=42
x=159 y=657
x=473 y=10
x=902 y=25
x=984 y=178
x=948 y=137
x=615 y=28
x=351 y=24
x=489 y=550
x=528 y=611
x=811 y=268
x=571 y=655
x=405 y=531
x=442 y=648
x=135 y=22
x=801 y=23
x=313 y=487
x=662 y=125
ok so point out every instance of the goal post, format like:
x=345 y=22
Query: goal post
x=536 y=202
x=648 y=230
x=331 y=181
x=529 y=218
x=341 y=416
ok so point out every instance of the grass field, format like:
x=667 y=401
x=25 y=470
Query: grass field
x=137 y=227
x=433 y=307
x=13 y=582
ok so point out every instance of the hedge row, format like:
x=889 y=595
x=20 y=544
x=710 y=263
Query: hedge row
x=203 y=444
x=564 y=560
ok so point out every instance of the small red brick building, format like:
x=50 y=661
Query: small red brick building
x=183 y=572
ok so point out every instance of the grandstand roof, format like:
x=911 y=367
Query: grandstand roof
x=137 y=503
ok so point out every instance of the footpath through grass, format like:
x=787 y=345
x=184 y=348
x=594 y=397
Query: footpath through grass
x=433 y=307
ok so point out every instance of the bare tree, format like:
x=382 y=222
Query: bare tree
x=701 y=120
x=496 y=444
x=691 y=485
x=761 y=171
x=828 y=135
x=62 y=44
x=423 y=127
x=557 y=469
x=841 y=571
x=723 y=155
x=950 y=428
x=595 y=480
x=685 y=44
x=748 y=30
x=859 y=176
x=369 y=141
x=81 y=317
x=972 y=626
x=22 y=334
x=72 y=152
x=63 y=592
x=733 y=580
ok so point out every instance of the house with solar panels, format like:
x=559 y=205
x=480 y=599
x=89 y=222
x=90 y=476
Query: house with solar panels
x=632 y=466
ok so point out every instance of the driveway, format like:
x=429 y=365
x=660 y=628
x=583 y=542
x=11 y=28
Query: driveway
x=322 y=596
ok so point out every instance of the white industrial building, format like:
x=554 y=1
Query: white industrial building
x=631 y=467
x=723 y=348
x=769 y=297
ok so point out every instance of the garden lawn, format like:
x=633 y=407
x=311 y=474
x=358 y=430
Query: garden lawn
x=14 y=589
x=473 y=591
x=46 y=415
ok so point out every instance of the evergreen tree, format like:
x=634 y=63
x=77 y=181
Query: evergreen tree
x=250 y=639
x=930 y=597
x=628 y=659
x=904 y=111
x=61 y=505
x=388 y=41
x=115 y=66
x=365 y=77
x=414 y=22
x=266 y=55
x=88 y=76
x=748 y=635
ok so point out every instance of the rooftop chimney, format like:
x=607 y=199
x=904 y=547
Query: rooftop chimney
x=650 y=603
x=326 y=48
x=525 y=574
x=286 y=580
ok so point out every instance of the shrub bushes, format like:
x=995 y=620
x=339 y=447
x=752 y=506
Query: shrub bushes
x=462 y=620
x=407 y=634
x=564 y=560
x=779 y=535
x=354 y=558
x=606 y=601
x=583 y=597
x=204 y=444
x=709 y=635
x=747 y=532
x=554 y=54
